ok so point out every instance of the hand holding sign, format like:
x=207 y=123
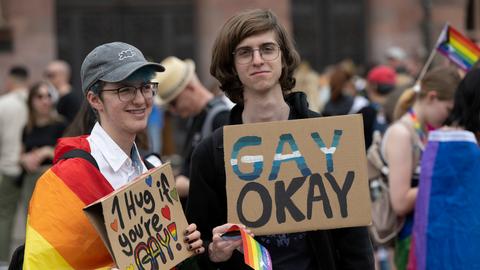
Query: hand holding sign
x=192 y=237
x=143 y=224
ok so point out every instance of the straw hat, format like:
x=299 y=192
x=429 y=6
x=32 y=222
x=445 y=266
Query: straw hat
x=174 y=79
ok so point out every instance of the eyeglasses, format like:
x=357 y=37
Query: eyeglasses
x=50 y=74
x=42 y=96
x=128 y=93
x=173 y=102
x=268 y=52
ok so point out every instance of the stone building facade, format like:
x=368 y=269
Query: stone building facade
x=35 y=32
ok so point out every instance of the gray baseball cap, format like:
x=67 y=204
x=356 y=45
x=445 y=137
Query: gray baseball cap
x=112 y=62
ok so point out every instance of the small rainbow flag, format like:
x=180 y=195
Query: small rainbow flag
x=255 y=255
x=458 y=48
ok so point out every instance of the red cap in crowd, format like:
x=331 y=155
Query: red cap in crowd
x=382 y=75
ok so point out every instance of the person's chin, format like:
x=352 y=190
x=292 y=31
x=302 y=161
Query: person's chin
x=187 y=115
x=262 y=86
x=138 y=124
x=138 y=127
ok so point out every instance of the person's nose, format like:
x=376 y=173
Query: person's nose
x=139 y=98
x=257 y=58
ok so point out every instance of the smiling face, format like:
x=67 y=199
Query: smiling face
x=259 y=75
x=120 y=118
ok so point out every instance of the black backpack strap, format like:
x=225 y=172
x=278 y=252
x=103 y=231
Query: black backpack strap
x=215 y=106
x=148 y=164
x=79 y=153
x=17 y=257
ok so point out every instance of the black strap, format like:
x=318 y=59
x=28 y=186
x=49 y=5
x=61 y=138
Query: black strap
x=17 y=257
x=148 y=164
x=79 y=153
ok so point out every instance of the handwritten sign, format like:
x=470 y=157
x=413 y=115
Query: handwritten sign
x=142 y=223
x=297 y=175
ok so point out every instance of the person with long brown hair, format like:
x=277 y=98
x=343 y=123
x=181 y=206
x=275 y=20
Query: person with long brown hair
x=44 y=127
x=403 y=143
x=341 y=84
x=254 y=60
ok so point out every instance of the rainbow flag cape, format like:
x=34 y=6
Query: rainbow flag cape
x=58 y=234
x=458 y=48
x=255 y=255
x=446 y=232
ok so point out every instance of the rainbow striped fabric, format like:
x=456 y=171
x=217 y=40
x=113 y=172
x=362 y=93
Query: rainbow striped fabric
x=458 y=48
x=58 y=234
x=255 y=255
x=445 y=233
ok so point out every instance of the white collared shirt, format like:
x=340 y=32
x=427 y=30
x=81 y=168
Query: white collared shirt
x=117 y=167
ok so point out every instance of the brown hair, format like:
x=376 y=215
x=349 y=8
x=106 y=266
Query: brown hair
x=339 y=78
x=236 y=29
x=442 y=80
x=83 y=122
x=32 y=114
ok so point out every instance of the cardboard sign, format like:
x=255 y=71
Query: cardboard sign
x=142 y=223
x=298 y=175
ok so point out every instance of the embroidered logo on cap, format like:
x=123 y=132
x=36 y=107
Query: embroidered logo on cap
x=125 y=54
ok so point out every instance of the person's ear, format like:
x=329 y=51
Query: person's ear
x=95 y=101
x=189 y=87
x=432 y=95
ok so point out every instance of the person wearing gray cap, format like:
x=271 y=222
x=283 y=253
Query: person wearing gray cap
x=117 y=83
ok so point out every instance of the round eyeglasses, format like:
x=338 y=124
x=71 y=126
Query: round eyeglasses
x=268 y=52
x=128 y=93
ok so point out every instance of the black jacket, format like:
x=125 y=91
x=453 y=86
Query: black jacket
x=345 y=248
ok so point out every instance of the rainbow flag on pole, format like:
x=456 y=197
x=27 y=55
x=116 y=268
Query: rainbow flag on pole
x=458 y=48
x=255 y=255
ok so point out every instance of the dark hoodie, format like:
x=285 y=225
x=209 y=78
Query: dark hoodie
x=345 y=248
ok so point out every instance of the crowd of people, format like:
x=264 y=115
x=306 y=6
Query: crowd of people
x=116 y=118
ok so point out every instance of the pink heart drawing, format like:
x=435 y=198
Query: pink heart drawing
x=114 y=225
